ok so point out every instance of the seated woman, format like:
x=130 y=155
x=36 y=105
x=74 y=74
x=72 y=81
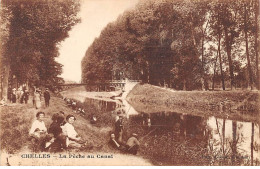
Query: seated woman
x=38 y=132
x=59 y=138
x=73 y=139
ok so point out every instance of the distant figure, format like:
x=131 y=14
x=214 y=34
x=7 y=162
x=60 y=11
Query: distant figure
x=119 y=129
x=19 y=95
x=13 y=95
x=74 y=105
x=83 y=112
x=149 y=122
x=34 y=97
x=26 y=96
x=93 y=119
x=37 y=98
x=38 y=132
x=132 y=144
x=47 y=97
x=3 y=102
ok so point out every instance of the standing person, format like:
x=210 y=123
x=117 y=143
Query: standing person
x=26 y=96
x=19 y=95
x=22 y=96
x=119 y=129
x=37 y=99
x=47 y=97
x=13 y=95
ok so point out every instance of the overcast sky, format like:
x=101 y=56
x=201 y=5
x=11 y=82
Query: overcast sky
x=95 y=15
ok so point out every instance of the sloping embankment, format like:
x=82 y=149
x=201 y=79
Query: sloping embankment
x=237 y=105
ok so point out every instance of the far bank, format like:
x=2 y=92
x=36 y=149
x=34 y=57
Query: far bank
x=236 y=105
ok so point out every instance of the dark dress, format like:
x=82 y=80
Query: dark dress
x=59 y=139
x=118 y=128
x=47 y=98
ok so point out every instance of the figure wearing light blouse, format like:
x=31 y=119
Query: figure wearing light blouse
x=38 y=133
x=38 y=125
x=73 y=139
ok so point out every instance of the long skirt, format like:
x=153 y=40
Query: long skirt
x=38 y=104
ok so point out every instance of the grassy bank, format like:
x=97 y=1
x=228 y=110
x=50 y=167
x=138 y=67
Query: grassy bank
x=240 y=105
x=16 y=120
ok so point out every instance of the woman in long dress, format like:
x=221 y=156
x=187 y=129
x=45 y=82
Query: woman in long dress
x=37 y=97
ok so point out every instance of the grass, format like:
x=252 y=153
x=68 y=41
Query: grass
x=147 y=98
x=16 y=120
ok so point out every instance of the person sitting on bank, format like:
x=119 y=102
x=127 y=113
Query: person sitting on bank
x=93 y=119
x=55 y=128
x=112 y=142
x=3 y=102
x=73 y=139
x=38 y=132
x=132 y=144
x=74 y=105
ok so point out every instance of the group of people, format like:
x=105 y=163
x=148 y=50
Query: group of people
x=37 y=98
x=79 y=109
x=21 y=95
x=59 y=136
x=132 y=144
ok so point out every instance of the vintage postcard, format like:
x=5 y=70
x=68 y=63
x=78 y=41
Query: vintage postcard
x=129 y=83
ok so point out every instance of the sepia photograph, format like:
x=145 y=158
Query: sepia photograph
x=129 y=83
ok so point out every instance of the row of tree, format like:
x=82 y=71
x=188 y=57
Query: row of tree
x=30 y=33
x=181 y=44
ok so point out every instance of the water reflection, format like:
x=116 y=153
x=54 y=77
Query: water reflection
x=170 y=138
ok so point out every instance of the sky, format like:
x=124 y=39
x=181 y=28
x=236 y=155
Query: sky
x=95 y=15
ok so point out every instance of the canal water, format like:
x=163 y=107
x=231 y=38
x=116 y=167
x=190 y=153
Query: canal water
x=172 y=138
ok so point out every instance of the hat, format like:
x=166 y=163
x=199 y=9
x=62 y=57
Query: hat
x=69 y=116
x=134 y=134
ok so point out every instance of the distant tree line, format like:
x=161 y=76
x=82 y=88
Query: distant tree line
x=185 y=45
x=30 y=33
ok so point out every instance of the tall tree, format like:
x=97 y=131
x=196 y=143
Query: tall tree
x=245 y=19
x=256 y=11
x=36 y=28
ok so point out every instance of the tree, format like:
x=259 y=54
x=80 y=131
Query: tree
x=36 y=28
x=256 y=11
x=245 y=28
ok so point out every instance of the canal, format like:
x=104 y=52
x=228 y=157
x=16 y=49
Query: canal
x=173 y=138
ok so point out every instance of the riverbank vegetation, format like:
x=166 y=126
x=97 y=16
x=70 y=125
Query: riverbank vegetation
x=243 y=105
x=184 y=45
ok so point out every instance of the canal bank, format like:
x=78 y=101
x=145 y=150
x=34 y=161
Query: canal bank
x=203 y=135
x=237 y=105
x=16 y=120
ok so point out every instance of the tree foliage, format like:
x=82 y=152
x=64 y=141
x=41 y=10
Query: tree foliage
x=36 y=27
x=175 y=43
